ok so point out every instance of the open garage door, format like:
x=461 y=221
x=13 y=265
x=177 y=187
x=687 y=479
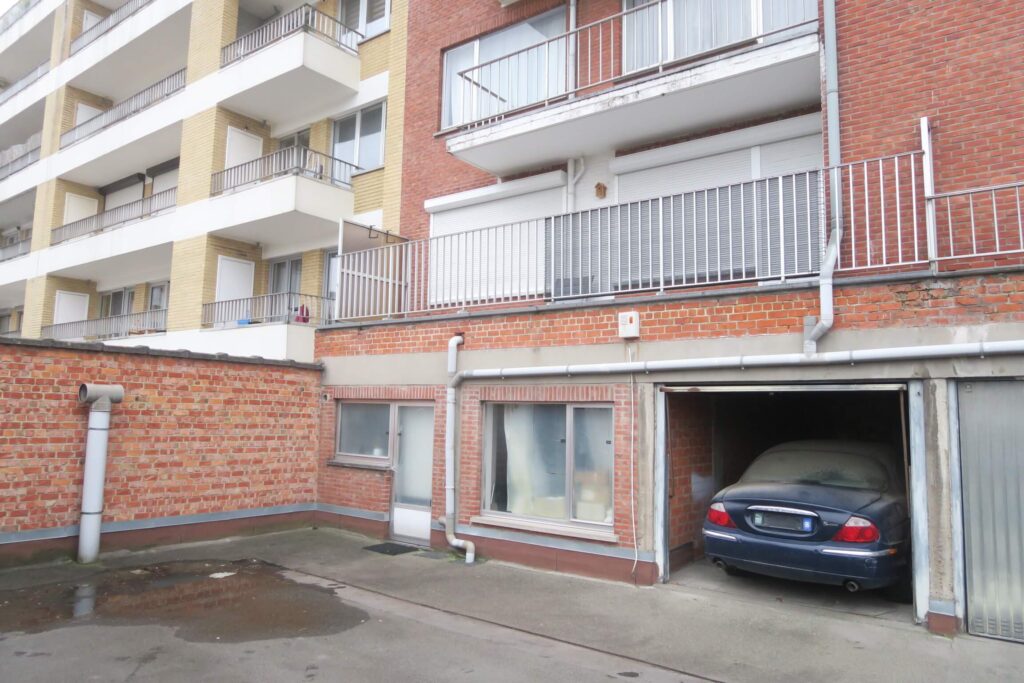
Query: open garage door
x=992 y=462
x=714 y=433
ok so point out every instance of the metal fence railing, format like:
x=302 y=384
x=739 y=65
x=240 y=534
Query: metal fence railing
x=302 y=18
x=107 y=23
x=25 y=81
x=144 y=322
x=18 y=163
x=984 y=221
x=766 y=229
x=288 y=161
x=126 y=108
x=17 y=11
x=117 y=217
x=16 y=249
x=11 y=334
x=648 y=37
x=284 y=307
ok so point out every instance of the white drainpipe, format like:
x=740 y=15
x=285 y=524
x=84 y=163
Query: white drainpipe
x=100 y=399
x=575 y=170
x=449 y=455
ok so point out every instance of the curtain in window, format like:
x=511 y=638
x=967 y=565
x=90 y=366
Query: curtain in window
x=593 y=464
x=535 y=465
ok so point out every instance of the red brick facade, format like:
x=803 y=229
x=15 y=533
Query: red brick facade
x=689 y=457
x=191 y=437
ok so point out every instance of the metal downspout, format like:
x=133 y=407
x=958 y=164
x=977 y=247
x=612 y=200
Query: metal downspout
x=100 y=399
x=827 y=317
x=451 y=405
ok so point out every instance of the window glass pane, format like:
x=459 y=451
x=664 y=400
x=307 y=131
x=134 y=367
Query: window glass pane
x=157 y=297
x=527 y=460
x=593 y=464
x=371 y=138
x=295 y=276
x=376 y=17
x=331 y=278
x=278 y=277
x=457 y=100
x=348 y=13
x=363 y=429
x=415 y=455
x=345 y=139
x=105 y=306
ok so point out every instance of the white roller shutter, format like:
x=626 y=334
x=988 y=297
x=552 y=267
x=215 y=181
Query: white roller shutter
x=499 y=212
x=789 y=156
x=123 y=196
x=712 y=171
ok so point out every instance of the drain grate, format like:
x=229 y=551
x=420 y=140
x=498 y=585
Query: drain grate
x=391 y=548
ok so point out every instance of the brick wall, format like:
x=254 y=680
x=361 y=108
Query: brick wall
x=192 y=436
x=689 y=456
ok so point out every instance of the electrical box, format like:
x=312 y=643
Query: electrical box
x=629 y=325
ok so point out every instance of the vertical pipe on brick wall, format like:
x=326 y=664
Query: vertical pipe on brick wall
x=828 y=265
x=451 y=405
x=100 y=399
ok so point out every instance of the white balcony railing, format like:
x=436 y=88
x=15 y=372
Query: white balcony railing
x=17 y=11
x=114 y=327
x=984 y=221
x=767 y=229
x=303 y=18
x=11 y=334
x=107 y=23
x=126 y=108
x=288 y=161
x=18 y=163
x=16 y=249
x=25 y=81
x=115 y=218
x=648 y=37
x=285 y=307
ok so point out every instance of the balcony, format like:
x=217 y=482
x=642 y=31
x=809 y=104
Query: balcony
x=286 y=307
x=24 y=81
x=126 y=108
x=16 y=12
x=10 y=334
x=117 y=217
x=304 y=18
x=298 y=161
x=16 y=249
x=114 y=327
x=107 y=23
x=659 y=70
x=19 y=157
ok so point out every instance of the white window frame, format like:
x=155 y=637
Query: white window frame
x=381 y=462
x=357 y=150
x=364 y=7
x=127 y=294
x=567 y=525
x=149 y=294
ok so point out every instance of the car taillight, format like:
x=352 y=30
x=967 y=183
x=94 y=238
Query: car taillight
x=718 y=515
x=857 y=530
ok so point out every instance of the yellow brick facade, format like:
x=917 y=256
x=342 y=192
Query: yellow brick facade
x=41 y=297
x=391 y=185
x=203 y=147
x=214 y=24
x=49 y=207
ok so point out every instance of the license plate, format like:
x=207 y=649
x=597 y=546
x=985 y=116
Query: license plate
x=778 y=520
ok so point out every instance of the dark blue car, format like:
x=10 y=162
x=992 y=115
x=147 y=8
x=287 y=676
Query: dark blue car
x=832 y=512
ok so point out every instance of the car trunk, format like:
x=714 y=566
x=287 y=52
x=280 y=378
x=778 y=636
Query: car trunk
x=796 y=511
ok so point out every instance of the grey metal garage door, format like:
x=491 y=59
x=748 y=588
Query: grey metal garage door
x=992 y=462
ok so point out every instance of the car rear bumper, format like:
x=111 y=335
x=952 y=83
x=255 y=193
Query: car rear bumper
x=874 y=566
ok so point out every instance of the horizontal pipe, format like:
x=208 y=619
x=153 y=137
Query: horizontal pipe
x=977 y=349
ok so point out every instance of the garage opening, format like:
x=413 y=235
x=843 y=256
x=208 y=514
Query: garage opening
x=714 y=433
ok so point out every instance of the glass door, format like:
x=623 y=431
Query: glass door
x=410 y=511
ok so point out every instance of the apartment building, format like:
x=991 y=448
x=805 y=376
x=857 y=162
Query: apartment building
x=174 y=173
x=643 y=241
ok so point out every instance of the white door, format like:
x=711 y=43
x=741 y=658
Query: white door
x=83 y=112
x=242 y=147
x=69 y=307
x=234 y=282
x=410 y=510
x=90 y=19
x=77 y=207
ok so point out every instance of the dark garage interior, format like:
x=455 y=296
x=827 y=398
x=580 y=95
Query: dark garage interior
x=714 y=433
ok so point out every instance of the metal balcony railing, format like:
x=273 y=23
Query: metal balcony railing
x=11 y=334
x=640 y=40
x=126 y=108
x=25 y=81
x=16 y=249
x=17 y=11
x=18 y=163
x=984 y=221
x=767 y=229
x=107 y=23
x=303 y=18
x=285 y=307
x=115 y=218
x=114 y=327
x=288 y=161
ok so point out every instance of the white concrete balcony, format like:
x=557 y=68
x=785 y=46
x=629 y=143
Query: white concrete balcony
x=643 y=75
x=15 y=249
x=112 y=327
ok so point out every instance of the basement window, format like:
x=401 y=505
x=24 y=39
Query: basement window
x=549 y=463
x=364 y=434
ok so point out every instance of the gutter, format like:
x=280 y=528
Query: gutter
x=451 y=405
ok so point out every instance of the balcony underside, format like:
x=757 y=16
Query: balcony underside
x=27 y=122
x=750 y=85
x=25 y=49
x=146 y=265
x=12 y=294
x=18 y=210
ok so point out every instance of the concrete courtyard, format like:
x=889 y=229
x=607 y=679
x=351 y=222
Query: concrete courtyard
x=315 y=605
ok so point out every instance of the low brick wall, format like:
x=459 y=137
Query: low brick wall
x=196 y=436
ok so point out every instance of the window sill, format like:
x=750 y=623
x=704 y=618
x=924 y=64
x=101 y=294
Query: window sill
x=379 y=467
x=554 y=528
x=367 y=171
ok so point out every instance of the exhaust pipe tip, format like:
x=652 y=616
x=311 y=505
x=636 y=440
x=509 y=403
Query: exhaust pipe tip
x=851 y=586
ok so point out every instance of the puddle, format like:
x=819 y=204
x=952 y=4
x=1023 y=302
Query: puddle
x=228 y=602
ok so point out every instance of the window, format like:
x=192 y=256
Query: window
x=6 y=323
x=359 y=139
x=157 y=296
x=331 y=274
x=533 y=77
x=286 y=276
x=300 y=139
x=369 y=17
x=369 y=432
x=550 y=462
x=117 y=302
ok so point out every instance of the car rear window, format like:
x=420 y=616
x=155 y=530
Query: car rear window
x=851 y=470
